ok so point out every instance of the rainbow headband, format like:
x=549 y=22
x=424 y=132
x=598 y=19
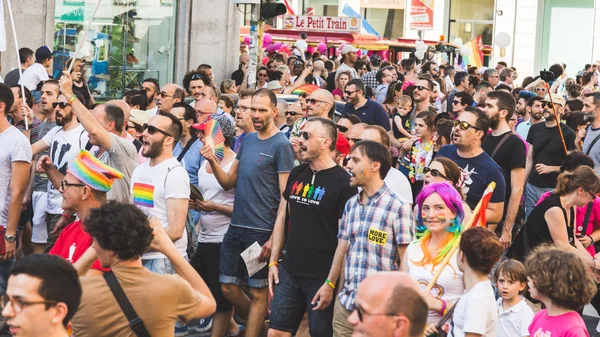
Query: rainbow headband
x=93 y=173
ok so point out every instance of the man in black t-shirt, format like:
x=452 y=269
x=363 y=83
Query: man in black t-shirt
x=508 y=151
x=316 y=195
x=546 y=153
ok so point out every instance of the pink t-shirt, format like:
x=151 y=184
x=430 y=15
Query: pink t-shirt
x=593 y=224
x=565 y=325
x=338 y=92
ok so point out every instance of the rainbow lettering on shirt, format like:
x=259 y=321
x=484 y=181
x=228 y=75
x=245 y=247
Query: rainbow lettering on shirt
x=143 y=195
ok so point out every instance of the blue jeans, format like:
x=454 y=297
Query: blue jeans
x=4 y=274
x=233 y=268
x=292 y=298
x=160 y=266
x=532 y=195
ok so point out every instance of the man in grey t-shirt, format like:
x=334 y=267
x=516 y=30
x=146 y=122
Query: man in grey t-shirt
x=591 y=134
x=259 y=175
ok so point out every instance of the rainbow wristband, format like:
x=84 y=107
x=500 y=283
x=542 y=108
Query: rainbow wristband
x=443 y=309
x=329 y=283
x=72 y=99
x=274 y=263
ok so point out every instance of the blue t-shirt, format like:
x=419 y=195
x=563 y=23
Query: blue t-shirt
x=257 y=191
x=370 y=113
x=191 y=160
x=477 y=173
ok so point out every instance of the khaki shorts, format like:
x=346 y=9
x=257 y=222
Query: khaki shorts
x=341 y=327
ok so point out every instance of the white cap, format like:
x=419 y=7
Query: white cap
x=348 y=48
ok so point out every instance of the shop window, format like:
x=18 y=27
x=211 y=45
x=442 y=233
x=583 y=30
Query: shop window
x=128 y=41
x=470 y=19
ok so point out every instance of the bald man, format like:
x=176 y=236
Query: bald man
x=320 y=103
x=170 y=94
x=239 y=75
x=389 y=304
x=124 y=134
x=294 y=112
x=354 y=132
x=280 y=119
x=204 y=108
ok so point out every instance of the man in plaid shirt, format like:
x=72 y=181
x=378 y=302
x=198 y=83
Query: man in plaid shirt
x=370 y=77
x=375 y=229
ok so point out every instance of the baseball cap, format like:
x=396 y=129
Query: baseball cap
x=43 y=53
x=557 y=99
x=348 y=49
x=342 y=144
x=274 y=85
x=139 y=117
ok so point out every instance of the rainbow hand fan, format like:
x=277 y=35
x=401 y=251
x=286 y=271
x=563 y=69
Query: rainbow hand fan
x=215 y=139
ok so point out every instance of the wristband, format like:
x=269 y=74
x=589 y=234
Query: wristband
x=68 y=217
x=329 y=283
x=274 y=263
x=591 y=238
x=443 y=309
x=72 y=99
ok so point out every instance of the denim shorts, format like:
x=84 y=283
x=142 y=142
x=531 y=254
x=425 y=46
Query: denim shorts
x=160 y=266
x=233 y=268
x=292 y=297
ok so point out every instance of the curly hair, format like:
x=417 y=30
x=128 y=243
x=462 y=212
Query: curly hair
x=481 y=249
x=561 y=276
x=195 y=75
x=121 y=228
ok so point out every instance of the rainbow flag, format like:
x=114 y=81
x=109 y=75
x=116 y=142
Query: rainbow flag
x=143 y=195
x=480 y=219
x=475 y=58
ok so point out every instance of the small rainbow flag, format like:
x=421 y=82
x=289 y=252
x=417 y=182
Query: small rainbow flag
x=475 y=58
x=143 y=195
x=305 y=89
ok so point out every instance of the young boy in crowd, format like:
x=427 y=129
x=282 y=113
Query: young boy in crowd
x=514 y=315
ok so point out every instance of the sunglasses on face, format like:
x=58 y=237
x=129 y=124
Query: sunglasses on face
x=349 y=93
x=292 y=113
x=546 y=105
x=463 y=126
x=153 y=129
x=456 y=102
x=434 y=172
x=420 y=87
x=262 y=75
x=314 y=101
x=362 y=313
x=164 y=95
x=62 y=105
x=341 y=128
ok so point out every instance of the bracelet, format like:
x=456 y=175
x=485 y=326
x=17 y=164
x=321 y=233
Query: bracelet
x=329 y=283
x=72 y=99
x=443 y=309
x=591 y=238
x=68 y=217
x=274 y=263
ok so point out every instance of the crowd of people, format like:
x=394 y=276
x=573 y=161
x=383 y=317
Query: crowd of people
x=345 y=209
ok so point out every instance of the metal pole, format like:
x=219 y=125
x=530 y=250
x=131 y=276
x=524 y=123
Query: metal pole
x=14 y=30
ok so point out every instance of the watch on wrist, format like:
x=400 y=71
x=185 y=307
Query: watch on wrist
x=10 y=238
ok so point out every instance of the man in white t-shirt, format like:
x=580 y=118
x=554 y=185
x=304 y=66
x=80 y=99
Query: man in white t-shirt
x=161 y=187
x=152 y=89
x=37 y=72
x=15 y=160
x=349 y=58
x=64 y=141
x=395 y=180
x=105 y=125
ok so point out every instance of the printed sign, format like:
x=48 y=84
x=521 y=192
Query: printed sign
x=421 y=14
x=322 y=23
x=378 y=237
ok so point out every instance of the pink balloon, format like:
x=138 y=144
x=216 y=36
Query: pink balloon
x=271 y=48
x=267 y=38
x=247 y=40
x=285 y=49
x=322 y=47
x=359 y=53
x=310 y=49
x=265 y=60
x=277 y=45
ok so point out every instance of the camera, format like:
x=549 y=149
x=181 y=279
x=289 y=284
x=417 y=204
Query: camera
x=547 y=76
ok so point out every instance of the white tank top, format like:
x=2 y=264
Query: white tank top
x=449 y=285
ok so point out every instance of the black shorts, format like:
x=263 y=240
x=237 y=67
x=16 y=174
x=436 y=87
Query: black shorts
x=207 y=261
x=26 y=216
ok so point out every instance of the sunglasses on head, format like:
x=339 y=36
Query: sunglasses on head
x=341 y=128
x=434 y=172
x=292 y=113
x=464 y=125
x=197 y=77
x=420 y=87
x=153 y=129
x=62 y=105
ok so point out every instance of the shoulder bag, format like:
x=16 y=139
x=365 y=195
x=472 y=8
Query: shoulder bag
x=135 y=322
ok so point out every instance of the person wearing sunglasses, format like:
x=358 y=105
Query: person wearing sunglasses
x=460 y=102
x=262 y=78
x=345 y=123
x=169 y=94
x=542 y=169
x=367 y=110
x=293 y=113
x=363 y=240
x=422 y=96
x=479 y=169
x=43 y=295
x=384 y=78
x=389 y=304
x=312 y=239
x=320 y=103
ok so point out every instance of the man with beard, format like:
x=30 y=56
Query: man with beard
x=39 y=189
x=478 y=168
x=169 y=94
x=161 y=186
x=481 y=91
x=591 y=106
x=533 y=115
x=152 y=89
x=316 y=194
x=64 y=141
x=546 y=153
x=508 y=151
x=321 y=104
x=194 y=82
x=259 y=175
x=422 y=97
x=349 y=58
x=243 y=120
x=375 y=230
x=367 y=110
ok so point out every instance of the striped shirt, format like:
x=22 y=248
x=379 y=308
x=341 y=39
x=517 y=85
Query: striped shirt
x=373 y=231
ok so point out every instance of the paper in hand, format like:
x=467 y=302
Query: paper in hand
x=250 y=256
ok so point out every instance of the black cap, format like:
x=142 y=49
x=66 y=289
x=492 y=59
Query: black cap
x=303 y=35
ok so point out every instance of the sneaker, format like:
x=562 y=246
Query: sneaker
x=181 y=331
x=205 y=324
